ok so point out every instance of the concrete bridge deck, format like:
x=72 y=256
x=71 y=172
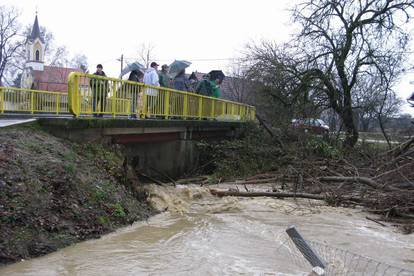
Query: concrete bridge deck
x=124 y=131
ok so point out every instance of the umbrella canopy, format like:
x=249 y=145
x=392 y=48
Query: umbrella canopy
x=217 y=74
x=178 y=65
x=411 y=100
x=132 y=66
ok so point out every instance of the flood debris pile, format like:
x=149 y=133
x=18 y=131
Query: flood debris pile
x=54 y=192
x=381 y=181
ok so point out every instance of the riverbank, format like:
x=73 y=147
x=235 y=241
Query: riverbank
x=301 y=165
x=54 y=193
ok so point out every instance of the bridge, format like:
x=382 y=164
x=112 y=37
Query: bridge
x=157 y=124
x=89 y=95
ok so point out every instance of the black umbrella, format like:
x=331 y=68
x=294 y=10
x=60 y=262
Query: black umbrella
x=411 y=100
x=217 y=74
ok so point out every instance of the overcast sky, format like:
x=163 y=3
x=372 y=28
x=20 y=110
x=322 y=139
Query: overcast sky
x=207 y=33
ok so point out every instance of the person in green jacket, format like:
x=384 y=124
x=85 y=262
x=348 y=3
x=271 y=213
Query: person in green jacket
x=164 y=77
x=210 y=85
x=216 y=88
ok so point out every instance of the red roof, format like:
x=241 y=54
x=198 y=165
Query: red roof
x=52 y=78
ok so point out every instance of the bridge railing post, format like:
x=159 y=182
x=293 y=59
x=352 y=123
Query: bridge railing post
x=74 y=97
x=167 y=104
x=213 y=109
x=144 y=108
x=200 y=107
x=57 y=103
x=114 y=100
x=2 y=104
x=31 y=102
x=185 y=112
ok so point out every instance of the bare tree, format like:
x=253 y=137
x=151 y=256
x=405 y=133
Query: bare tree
x=375 y=102
x=239 y=85
x=10 y=40
x=80 y=61
x=146 y=53
x=275 y=72
x=346 y=41
x=59 y=57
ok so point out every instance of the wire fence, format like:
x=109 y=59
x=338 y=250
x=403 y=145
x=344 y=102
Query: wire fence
x=334 y=261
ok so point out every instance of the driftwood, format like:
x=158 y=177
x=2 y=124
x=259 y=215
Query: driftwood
x=376 y=221
x=151 y=179
x=164 y=175
x=220 y=193
x=402 y=147
x=269 y=194
x=278 y=140
x=258 y=181
x=393 y=171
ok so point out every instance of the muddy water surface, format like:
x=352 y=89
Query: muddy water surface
x=203 y=235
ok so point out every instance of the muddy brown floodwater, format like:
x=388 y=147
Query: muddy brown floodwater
x=203 y=235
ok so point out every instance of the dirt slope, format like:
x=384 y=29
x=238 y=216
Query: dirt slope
x=54 y=192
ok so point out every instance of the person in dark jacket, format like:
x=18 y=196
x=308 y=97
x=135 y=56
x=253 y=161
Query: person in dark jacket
x=164 y=77
x=134 y=76
x=99 y=91
x=181 y=82
x=193 y=81
x=204 y=87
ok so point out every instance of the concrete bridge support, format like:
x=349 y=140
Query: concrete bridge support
x=153 y=146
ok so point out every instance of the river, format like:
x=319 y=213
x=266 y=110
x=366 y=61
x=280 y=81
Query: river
x=202 y=235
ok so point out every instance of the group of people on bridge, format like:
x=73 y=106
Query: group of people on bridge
x=209 y=85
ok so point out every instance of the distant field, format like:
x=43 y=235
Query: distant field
x=380 y=136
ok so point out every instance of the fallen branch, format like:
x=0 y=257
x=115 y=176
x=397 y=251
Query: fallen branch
x=376 y=221
x=269 y=194
x=393 y=171
x=278 y=140
x=398 y=150
x=258 y=181
x=164 y=175
x=403 y=215
x=151 y=178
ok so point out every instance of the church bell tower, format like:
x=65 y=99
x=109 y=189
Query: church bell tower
x=35 y=48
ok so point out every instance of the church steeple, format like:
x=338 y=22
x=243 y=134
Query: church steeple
x=35 y=47
x=35 y=31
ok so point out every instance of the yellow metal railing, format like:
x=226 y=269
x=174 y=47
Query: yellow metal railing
x=33 y=101
x=91 y=94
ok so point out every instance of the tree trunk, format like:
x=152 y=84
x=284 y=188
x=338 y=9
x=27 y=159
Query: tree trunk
x=347 y=115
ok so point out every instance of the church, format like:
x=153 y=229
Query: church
x=36 y=75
